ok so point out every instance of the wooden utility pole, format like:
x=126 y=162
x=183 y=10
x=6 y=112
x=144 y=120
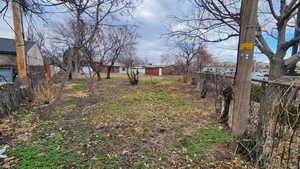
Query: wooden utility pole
x=20 y=51
x=242 y=83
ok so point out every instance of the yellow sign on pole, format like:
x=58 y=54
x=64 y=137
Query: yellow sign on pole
x=246 y=46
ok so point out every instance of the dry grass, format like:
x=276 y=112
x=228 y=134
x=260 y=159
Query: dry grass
x=152 y=125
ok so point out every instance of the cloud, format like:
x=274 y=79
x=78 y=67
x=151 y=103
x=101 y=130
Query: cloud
x=149 y=11
x=6 y=25
x=179 y=27
x=152 y=17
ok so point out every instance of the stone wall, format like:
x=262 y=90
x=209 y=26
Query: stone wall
x=11 y=97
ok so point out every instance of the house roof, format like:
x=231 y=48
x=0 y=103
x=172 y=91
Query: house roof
x=8 y=46
x=156 y=66
x=220 y=66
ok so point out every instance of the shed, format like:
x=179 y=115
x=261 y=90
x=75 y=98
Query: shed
x=8 y=61
x=160 y=70
x=6 y=74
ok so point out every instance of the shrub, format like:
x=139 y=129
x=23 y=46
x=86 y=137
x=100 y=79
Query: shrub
x=44 y=93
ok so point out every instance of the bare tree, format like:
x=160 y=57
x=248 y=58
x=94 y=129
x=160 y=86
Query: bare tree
x=167 y=58
x=203 y=57
x=121 y=38
x=219 y=20
x=130 y=60
x=187 y=53
x=75 y=37
x=96 y=52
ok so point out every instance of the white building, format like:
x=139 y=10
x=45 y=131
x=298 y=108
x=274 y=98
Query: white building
x=140 y=69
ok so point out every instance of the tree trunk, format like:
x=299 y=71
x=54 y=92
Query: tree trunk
x=108 y=72
x=76 y=65
x=291 y=70
x=70 y=76
x=98 y=75
x=186 y=75
x=267 y=117
x=227 y=97
x=276 y=67
x=60 y=91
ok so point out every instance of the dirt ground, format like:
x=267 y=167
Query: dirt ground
x=160 y=123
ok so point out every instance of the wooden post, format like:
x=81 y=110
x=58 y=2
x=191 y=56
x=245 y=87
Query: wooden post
x=20 y=51
x=242 y=83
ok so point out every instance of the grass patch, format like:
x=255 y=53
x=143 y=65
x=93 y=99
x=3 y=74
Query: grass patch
x=42 y=154
x=55 y=80
x=25 y=115
x=173 y=81
x=149 y=82
x=116 y=126
x=140 y=103
x=70 y=106
x=206 y=137
x=23 y=118
x=79 y=86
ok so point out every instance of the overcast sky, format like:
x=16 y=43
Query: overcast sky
x=152 y=17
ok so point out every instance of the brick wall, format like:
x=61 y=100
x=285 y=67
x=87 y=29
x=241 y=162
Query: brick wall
x=169 y=70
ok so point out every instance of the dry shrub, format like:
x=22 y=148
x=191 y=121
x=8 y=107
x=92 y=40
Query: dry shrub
x=44 y=93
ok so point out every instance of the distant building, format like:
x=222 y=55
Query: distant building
x=120 y=68
x=8 y=61
x=219 y=68
x=160 y=70
x=140 y=69
x=115 y=68
x=261 y=67
x=153 y=70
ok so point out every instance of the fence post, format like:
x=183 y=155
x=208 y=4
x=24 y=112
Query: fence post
x=261 y=119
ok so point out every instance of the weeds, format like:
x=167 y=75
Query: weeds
x=150 y=82
x=120 y=126
x=41 y=154
x=206 y=137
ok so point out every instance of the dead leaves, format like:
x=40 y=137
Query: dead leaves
x=9 y=162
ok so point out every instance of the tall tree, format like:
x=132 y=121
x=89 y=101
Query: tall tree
x=121 y=38
x=187 y=53
x=88 y=18
x=219 y=20
x=222 y=18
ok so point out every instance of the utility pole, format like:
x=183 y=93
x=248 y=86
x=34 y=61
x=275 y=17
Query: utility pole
x=242 y=82
x=20 y=51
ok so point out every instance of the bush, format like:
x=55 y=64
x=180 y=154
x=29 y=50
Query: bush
x=45 y=93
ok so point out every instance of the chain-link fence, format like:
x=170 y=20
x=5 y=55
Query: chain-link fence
x=218 y=88
x=272 y=139
x=13 y=94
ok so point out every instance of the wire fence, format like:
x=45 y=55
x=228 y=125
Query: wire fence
x=13 y=94
x=272 y=139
